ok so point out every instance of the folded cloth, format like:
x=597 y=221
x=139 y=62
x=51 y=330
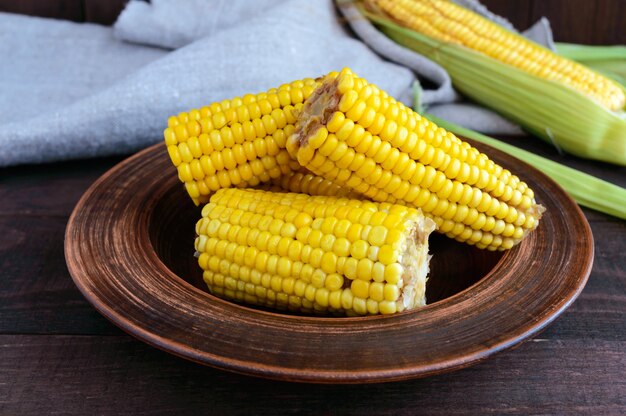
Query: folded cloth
x=174 y=24
x=48 y=64
x=116 y=97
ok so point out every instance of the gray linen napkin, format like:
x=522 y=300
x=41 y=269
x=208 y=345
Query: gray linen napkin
x=174 y=24
x=116 y=96
x=48 y=64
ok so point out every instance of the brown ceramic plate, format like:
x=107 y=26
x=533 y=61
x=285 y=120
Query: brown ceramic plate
x=129 y=248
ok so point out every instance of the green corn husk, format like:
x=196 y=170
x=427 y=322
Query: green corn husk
x=608 y=60
x=586 y=190
x=558 y=114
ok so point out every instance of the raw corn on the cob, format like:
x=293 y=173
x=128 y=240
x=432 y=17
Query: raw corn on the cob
x=354 y=134
x=313 y=254
x=238 y=142
x=571 y=107
x=451 y=23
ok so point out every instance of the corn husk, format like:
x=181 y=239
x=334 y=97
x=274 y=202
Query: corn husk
x=558 y=114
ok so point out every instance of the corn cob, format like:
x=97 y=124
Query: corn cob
x=313 y=254
x=355 y=135
x=448 y=22
x=238 y=142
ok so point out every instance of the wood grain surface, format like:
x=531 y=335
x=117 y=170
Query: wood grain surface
x=582 y=21
x=133 y=229
x=118 y=376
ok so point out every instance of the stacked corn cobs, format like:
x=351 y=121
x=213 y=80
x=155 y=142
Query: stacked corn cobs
x=573 y=107
x=352 y=184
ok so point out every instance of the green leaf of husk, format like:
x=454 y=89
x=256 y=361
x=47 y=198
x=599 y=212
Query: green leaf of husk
x=590 y=52
x=550 y=110
x=585 y=189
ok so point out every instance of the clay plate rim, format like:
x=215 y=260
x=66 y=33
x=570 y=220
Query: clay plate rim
x=140 y=326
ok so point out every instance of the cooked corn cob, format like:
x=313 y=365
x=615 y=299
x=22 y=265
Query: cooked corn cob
x=238 y=142
x=446 y=21
x=313 y=254
x=354 y=134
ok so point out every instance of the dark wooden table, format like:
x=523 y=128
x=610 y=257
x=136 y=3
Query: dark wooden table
x=59 y=356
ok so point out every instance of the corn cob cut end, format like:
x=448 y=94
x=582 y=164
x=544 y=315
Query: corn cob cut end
x=315 y=114
x=415 y=262
x=314 y=255
x=354 y=134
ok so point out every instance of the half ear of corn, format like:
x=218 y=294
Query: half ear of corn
x=313 y=254
x=238 y=142
x=565 y=103
x=354 y=134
